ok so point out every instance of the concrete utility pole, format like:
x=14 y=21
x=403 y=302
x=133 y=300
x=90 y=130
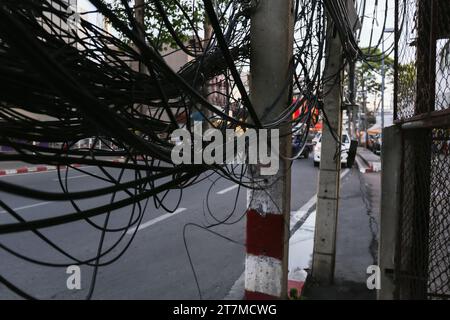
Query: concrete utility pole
x=383 y=76
x=391 y=184
x=139 y=14
x=356 y=25
x=330 y=164
x=268 y=211
x=352 y=98
x=208 y=32
x=365 y=110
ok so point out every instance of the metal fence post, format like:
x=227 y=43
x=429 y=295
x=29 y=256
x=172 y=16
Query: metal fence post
x=391 y=183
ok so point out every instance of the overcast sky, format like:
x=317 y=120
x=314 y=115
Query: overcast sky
x=378 y=20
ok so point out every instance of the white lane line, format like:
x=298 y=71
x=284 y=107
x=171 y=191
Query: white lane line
x=28 y=207
x=156 y=220
x=239 y=285
x=73 y=177
x=228 y=189
x=297 y=215
x=305 y=208
x=344 y=173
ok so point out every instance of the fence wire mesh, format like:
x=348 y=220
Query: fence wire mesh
x=406 y=62
x=442 y=26
x=423 y=90
x=439 y=221
x=412 y=268
x=434 y=18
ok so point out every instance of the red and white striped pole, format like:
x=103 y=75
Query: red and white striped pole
x=267 y=239
x=268 y=211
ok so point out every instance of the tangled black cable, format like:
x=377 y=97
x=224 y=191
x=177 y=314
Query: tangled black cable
x=74 y=96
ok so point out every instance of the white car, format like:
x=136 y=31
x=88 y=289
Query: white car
x=344 y=151
x=316 y=138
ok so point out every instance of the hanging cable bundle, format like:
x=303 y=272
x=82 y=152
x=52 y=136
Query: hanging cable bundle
x=72 y=94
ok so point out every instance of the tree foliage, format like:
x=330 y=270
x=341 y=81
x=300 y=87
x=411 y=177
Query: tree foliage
x=182 y=14
x=406 y=84
x=368 y=73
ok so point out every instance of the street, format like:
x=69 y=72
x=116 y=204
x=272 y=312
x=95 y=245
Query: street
x=146 y=151
x=156 y=265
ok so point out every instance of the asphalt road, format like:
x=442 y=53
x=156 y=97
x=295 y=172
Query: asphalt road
x=156 y=264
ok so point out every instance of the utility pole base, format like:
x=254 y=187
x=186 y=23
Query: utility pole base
x=265 y=252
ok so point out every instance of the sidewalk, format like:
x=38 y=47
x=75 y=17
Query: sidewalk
x=356 y=248
x=356 y=243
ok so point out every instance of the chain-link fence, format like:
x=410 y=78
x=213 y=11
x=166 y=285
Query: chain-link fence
x=439 y=224
x=406 y=62
x=422 y=110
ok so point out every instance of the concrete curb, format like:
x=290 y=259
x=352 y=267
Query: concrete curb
x=362 y=166
x=42 y=168
x=296 y=281
x=366 y=166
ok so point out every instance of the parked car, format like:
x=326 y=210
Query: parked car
x=344 y=150
x=371 y=141
x=297 y=145
x=298 y=136
x=316 y=138
x=377 y=145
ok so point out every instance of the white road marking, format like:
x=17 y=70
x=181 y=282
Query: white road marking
x=28 y=207
x=73 y=177
x=297 y=215
x=344 y=173
x=304 y=209
x=228 y=189
x=156 y=220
